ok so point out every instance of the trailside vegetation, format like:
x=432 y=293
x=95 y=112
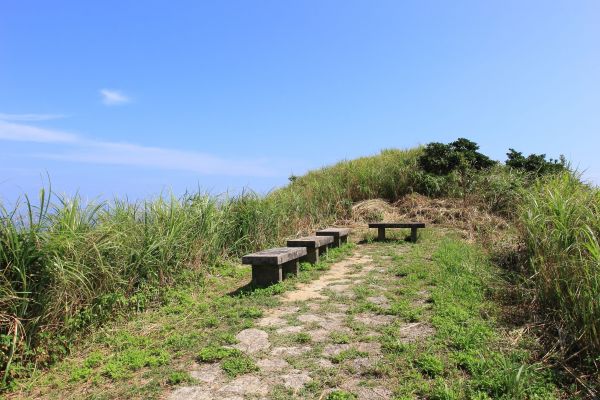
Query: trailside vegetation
x=67 y=266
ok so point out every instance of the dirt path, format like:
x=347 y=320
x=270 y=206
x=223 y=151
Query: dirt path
x=324 y=334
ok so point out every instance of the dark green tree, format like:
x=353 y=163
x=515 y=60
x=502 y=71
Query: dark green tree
x=534 y=163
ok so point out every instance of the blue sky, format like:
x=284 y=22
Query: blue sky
x=129 y=98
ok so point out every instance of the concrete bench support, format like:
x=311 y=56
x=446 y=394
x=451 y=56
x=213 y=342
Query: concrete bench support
x=315 y=246
x=340 y=235
x=273 y=265
x=382 y=226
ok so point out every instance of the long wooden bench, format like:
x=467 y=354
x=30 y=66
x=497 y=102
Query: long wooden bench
x=274 y=265
x=382 y=226
x=315 y=246
x=340 y=235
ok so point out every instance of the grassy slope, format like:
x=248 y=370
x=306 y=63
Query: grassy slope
x=68 y=267
x=471 y=355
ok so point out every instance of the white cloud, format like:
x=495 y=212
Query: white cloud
x=30 y=117
x=83 y=150
x=27 y=133
x=111 y=97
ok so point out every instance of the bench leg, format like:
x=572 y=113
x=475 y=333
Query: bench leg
x=312 y=255
x=289 y=268
x=381 y=234
x=343 y=239
x=336 y=242
x=413 y=235
x=265 y=275
x=323 y=249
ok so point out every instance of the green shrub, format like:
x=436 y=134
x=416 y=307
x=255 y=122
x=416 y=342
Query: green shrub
x=534 y=163
x=442 y=159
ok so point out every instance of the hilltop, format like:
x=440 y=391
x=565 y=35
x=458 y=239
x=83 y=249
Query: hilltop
x=125 y=300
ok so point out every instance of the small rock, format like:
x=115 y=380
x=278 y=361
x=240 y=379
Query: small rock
x=252 y=341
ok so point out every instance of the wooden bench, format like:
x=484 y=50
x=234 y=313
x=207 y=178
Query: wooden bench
x=274 y=265
x=381 y=227
x=340 y=235
x=315 y=246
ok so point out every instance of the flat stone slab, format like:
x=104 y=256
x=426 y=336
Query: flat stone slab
x=416 y=331
x=335 y=232
x=310 y=318
x=296 y=379
x=272 y=364
x=310 y=241
x=396 y=225
x=276 y=256
x=271 y=322
x=335 y=349
x=289 y=351
x=289 y=329
x=373 y=319
x=191 y=393
x=208 y=373
x=245 y=384
x=381 y=301
x=252 y=341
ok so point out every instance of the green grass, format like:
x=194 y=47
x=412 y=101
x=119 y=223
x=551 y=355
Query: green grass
x=67 y=268
x=122 y=360
x=467 y=355
x=238 y=364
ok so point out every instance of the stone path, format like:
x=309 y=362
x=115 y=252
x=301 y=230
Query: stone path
x=320 y=338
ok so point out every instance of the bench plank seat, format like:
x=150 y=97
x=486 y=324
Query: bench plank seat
x=273 y=265
x=340 y=235
x=381 y=227
x=396 y=225
x=315 y=246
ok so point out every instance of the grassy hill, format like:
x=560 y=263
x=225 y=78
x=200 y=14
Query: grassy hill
x=69 y=269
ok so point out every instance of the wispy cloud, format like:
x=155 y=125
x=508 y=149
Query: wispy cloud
x=27 y=133
x=80 y=149
x=111 y=97
x=30 y=117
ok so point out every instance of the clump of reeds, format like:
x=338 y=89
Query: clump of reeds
x=561 y=218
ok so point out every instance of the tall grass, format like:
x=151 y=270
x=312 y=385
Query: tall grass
x=66 y=265
x=561 y=217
